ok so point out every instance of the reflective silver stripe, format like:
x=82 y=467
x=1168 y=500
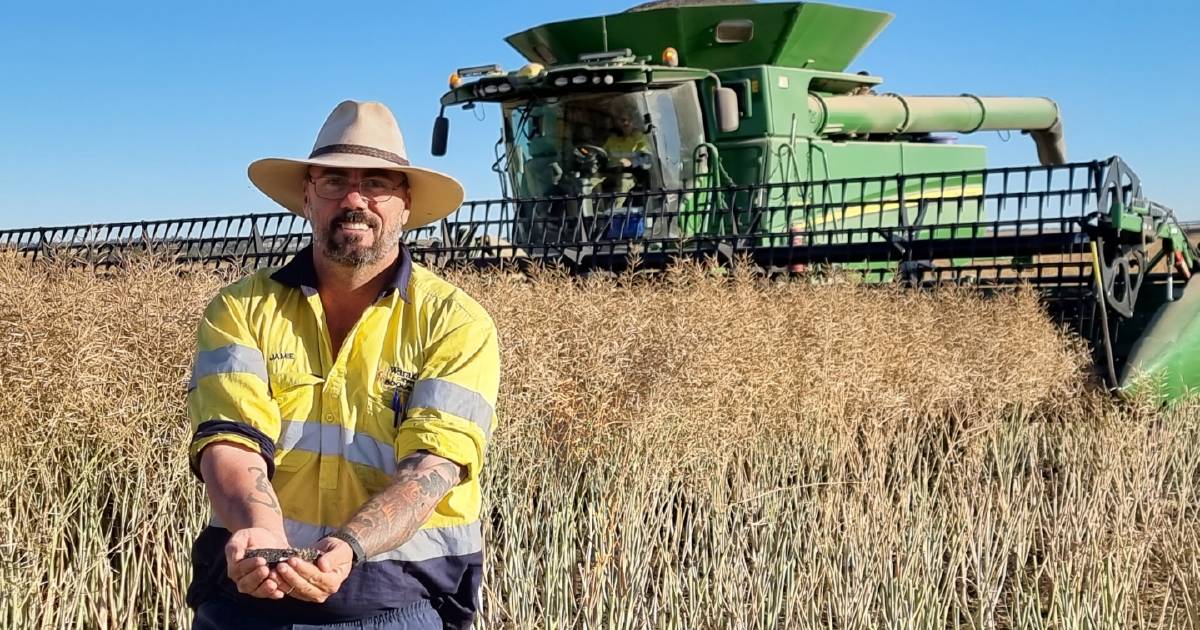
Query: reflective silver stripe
x=314 y=437
x=436 y=542
x=433 y=542
x=299 y=434
x=452 y=398
x=299 y=533
x=228 y=360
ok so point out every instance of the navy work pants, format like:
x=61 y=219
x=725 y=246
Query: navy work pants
x=216 y=614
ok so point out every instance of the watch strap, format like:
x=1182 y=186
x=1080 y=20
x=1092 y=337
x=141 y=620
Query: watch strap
x=355 y=546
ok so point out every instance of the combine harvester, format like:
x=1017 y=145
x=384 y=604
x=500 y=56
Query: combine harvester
x=734 y=131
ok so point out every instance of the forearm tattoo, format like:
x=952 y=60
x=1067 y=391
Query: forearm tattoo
x=391 y=517
x=266 y=494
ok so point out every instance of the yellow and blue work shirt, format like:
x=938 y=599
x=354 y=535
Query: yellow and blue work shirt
x=419 y=371
x=626 y=147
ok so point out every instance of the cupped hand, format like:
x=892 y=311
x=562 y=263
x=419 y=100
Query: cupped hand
x=317 y=582
x=252 y=575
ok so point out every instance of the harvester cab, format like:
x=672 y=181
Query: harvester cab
x=615 y=142
x=601 y=129
x=717 y=130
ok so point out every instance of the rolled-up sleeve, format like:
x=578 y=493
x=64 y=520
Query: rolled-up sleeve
x=451 y=411
x=228 y=397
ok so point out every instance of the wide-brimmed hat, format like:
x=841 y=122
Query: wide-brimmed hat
x=360 y=135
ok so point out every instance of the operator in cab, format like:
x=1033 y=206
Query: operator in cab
x=628 y=153
x=627 y=141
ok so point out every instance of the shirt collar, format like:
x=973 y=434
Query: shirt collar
x=301 y=273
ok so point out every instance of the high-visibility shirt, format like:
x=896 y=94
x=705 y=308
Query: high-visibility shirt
x=419 y=371
x=626 y=146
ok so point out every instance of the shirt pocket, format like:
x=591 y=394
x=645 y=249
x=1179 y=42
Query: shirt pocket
x=382 y=402
x=297 y=395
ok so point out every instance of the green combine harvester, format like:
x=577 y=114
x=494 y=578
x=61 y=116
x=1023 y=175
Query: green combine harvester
x=732 y=131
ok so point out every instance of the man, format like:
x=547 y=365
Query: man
x=628 y=140
x=341 y=403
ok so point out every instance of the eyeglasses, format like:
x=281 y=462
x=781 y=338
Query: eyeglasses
x=334 y=187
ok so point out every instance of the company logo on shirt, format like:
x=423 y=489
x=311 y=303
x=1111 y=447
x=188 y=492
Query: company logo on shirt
x=392 y=377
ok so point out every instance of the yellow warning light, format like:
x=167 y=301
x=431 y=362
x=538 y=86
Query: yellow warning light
x=455 y=80
x=531 y=70
x=670 y=57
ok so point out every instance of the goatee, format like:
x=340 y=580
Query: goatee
x=347 y=251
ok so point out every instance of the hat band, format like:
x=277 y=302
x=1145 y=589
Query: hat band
x=358 y=149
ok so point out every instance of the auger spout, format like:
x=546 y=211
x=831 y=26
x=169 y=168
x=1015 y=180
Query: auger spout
x=893 y=114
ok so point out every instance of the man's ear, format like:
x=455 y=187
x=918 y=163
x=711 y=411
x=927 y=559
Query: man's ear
x=407 y=197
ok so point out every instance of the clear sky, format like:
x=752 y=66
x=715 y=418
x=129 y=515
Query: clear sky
x=123 y=110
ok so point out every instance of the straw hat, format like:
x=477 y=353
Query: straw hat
x=360 y=135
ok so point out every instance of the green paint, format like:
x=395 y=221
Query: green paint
x=816 y=36
x=803 y=120
x=1165 y=360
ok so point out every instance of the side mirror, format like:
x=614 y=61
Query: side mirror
x=725 y=106
x=441 y=133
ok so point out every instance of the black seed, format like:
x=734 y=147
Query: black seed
x=275 y=556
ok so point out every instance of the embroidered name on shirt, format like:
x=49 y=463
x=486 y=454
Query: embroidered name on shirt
x=395 y=378
x=279 y=356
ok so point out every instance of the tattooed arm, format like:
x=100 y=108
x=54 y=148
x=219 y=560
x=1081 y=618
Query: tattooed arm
x=238 y=488
x=243 y=499
x=391 y=517
x=382 y=524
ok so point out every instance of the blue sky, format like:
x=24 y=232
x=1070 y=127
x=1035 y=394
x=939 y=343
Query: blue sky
x=123 y=111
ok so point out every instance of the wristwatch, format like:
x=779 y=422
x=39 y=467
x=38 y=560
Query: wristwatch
x=355 y=546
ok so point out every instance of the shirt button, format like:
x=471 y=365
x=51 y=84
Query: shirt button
x=329 y=417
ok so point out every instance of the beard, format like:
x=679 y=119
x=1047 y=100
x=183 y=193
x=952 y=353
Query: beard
x=348 y=250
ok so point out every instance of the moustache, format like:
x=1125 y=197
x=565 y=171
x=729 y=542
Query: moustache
x=356 y=216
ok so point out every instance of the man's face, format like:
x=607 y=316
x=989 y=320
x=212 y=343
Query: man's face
x=625 y=122
x=363 y=225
